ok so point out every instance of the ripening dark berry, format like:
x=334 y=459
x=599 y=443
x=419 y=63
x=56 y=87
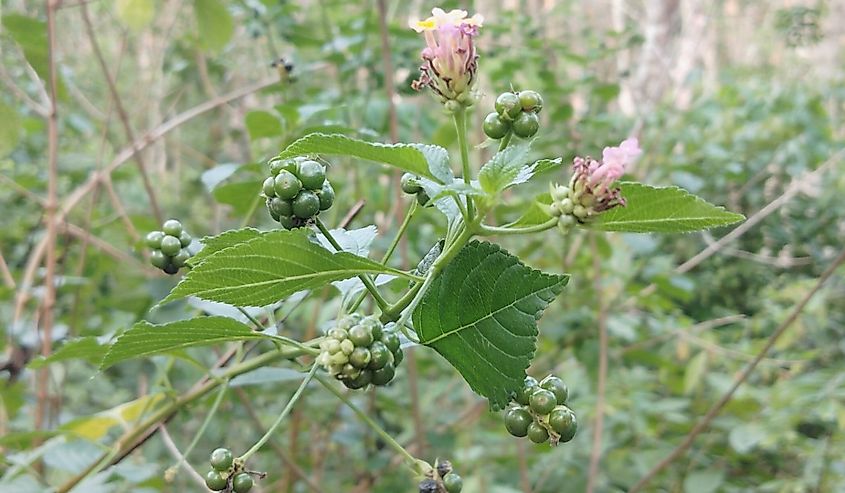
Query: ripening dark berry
x=158 y=259
x=361 y=335
x=181 y=258
x=306 y=205
x=172 y=227
x=528 y=387
x=517 y=421
x=531 y=101
x=557 y=387
x=360 y=357
x=170 y=245
x=384 y=375
x=563 y=422
x=362 y=380
x=428 y=486
x=286 y=185
x=422 y=198
x=185 y=239
x=379 y=355
x=536 y=433
x=453 y=483
x=288 y=222
x=444 y=467
x=153 y=239
x=268 y=187
x=326 y=196
x=398 y=356
x=312 y=174
x=508 y=104
x=526 y=125
x=280 y=207
x=215 y=481
x=391 y=340
x=170 y=268
x=410 y=183
x=221 y=459
x=542 y=401
x=242 y=483
x=495 y=126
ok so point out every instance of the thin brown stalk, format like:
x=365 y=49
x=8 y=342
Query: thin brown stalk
x=8 y=280
x=601 y=391
x=711 y=414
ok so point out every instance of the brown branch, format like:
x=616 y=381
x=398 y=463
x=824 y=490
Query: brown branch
x=601 y=391
x=8 y=280
x=34 y=105
x=121 y=111
x=718 y=406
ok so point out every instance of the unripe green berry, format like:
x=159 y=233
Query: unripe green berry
x=580 y=211
x=215 y=481
x=276 y=164
x=508 y=104
x=563 y=422
x=453 y=483
x=172 y=227
x=170 y=245
x=153 y=239
x=556 y=386
x=326 y=196
x=410 y=183
x=347 y=346
x=288 y=222
x=337 y=333
x=280 y=207
x=158 y=259
x=362 y=380
x=349 y=372
x=360 y=357
x=185 y=239
x=531 y=101
x=376 y=328
x=536 y=433
x=268 y=187
x=495 y=126
x=242 y=483
x=361 y=335
x=181 y=258
x=528 y=386
x=286 y=185
x=379 y=355
x=391 y=340
x=306 y=205
x=398 y=356
x=384 y=375
x=517 y=421
x=222 y=459
x=312 y=174
x=526 y=125
x=542 y=401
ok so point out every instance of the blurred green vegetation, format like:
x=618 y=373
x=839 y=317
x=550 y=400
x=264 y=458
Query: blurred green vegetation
x=741 y=118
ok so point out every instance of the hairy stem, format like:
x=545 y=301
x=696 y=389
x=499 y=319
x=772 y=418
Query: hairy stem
x=505 y=140
x=485 y=230
x=461 y=129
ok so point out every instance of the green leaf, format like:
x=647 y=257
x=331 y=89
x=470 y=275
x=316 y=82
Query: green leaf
x=269 y=268
x=535 y=214
x=240 y=195
x=503 y=168
x=743 y=438
x=662 y=210
x=704 y=481
x=145 y=339
x=10 y=129
x=215 y=24
x=438 y=161
x=31 y=35
x=696 y=368
x=85 y=348
x=226 y=239
x=263 y=124
x=481 y=315
x=135 y=14
x=407 y=157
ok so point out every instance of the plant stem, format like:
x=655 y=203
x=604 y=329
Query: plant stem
x=258 y=326
x=505 y=141
x=296 y=395
x=413 y=463
x=217 y=400
x=485 y=230
x=368 y=283
x=392 y=248
x=393 y=311
x=460 y=117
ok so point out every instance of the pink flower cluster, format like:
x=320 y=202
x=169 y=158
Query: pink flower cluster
x=593 y=179
x=449 y=58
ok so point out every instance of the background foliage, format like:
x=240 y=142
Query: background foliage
x=739 y=102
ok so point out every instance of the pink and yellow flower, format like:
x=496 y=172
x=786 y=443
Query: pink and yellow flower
x=450 y=61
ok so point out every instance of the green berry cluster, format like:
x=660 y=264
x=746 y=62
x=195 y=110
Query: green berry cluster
x=515 y=112
x=411 y=185
x=296 y=191
x=169 y=246
x=443 y=480
x=359 y=351
x=227 y=475
x=539 y=412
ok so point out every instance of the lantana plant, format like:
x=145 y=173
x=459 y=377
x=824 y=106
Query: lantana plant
x=469 y=299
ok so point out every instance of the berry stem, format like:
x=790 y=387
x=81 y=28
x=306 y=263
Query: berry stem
x=505 y=141
x=486 y=230
x=296 y=395
x=413 y=462
x=368 y=283
x=460 y=117
x=217 y=400
x=258 y=325
x=399 y=234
